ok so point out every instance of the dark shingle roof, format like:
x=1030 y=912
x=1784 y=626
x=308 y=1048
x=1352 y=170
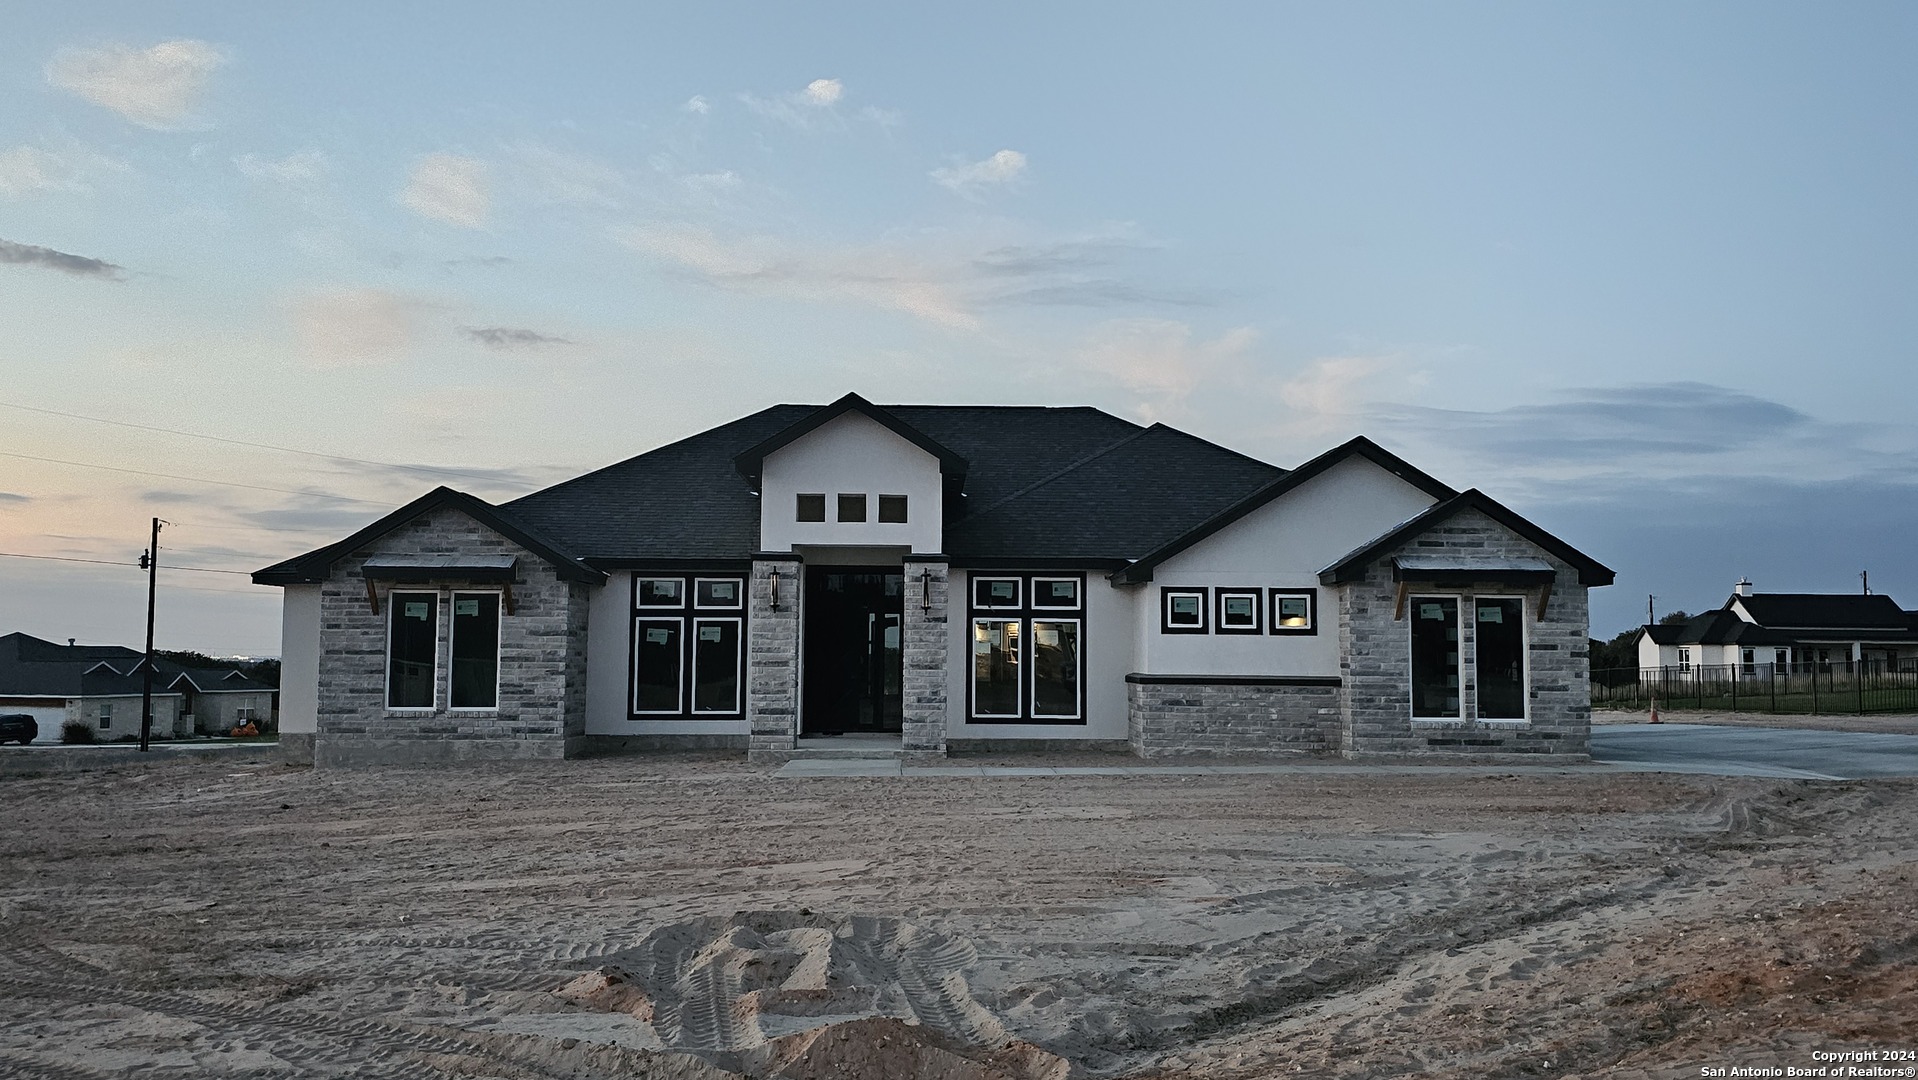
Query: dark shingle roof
x=1724 y=627
x=1851 y=611
x=31 y=667
x=1591 y=572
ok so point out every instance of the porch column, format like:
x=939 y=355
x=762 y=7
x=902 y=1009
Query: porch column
x=926 y=642
x=772 y=656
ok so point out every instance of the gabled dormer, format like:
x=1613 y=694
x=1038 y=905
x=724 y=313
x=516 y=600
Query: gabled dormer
x=852 y=474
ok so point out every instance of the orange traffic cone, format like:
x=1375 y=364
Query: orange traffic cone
x=1655 y=718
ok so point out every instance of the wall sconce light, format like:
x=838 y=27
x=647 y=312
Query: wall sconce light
x=925 y=589
x=773 y=580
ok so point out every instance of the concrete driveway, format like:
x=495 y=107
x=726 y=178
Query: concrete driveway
x=1734 y=751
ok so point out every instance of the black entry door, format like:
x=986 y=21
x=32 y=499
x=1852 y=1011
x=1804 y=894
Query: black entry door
x=854 y=664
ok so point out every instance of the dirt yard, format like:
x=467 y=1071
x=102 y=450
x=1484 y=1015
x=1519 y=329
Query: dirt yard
x=698 y=919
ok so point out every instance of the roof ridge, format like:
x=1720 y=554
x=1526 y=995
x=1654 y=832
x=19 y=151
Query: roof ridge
x=1064 y=471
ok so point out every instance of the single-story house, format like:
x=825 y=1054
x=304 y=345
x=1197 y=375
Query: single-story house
x=101 y=687
x=1761 y=633
x=951 y=577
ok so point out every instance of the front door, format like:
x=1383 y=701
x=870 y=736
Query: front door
x=854 y=665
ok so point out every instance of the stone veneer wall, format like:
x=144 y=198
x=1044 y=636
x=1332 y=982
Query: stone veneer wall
x=1376 y=657
x=542 y=695
x=772 y=657
x=925 y=644
x=1220 y=715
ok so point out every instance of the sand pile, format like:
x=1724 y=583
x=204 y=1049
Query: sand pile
x=799 y=994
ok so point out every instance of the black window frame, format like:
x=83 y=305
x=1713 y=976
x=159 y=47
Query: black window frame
x=891 y=502
x=801 y=505
x=395 y=610
x=1024 y=615
x=844 y=500
x=686 y=617
x=1273 y=596
x=1078 y=592
x=453 y=644
x=1413 y=615
x=1167 y=626
x=1256 y=626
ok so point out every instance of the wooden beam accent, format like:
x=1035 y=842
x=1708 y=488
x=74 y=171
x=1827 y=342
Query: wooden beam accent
x=372 y=596
x=1398 y=606
x=1544 y=599
x=506 y=598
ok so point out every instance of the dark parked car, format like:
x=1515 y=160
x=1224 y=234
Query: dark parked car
x=18 y=727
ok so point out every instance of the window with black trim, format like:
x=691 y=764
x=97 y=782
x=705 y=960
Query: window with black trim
x=809 y=507
x=892 y=509
x=1498 y=656
x=852 y=507
x=1238 y=611
x=1182 y=611
x=688 y=646
x=475 y=651
x=1028 y=650
x=412 y=649
x=1295 y=611
x=1435 y=658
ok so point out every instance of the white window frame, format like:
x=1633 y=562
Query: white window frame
x=1031 y=649
x=679 y=667
x=499 y=646
x=1684 y=658
x=1311 y=598
x=739 y=594
x=638 y=592
x=1204 y=625
x=1256 y=615
x=1017 y=591
x=691 y=692
x=105 y=719
x=1458 y=642
x=1078 y=594
x=972 y=670
x=1524 y=660
x=386 y=680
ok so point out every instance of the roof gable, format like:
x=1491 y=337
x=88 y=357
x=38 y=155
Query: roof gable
x=751 y=460
x=1806 y=611
x=1360 y=447
x=315 y=566
x=1591 y=572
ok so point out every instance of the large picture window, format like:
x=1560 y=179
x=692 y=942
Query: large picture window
x=1435 y=661
x=475 y=650
x=1028 y=655
x=412 y=649
x=1499 y=656
x=688 y=646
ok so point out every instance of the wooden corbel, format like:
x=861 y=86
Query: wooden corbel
x=372 y=596
x=1544 y=599
x=1398 y=605
x=506 y=597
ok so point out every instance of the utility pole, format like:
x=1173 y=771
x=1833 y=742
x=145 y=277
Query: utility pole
x=150 y=562
x=1865 y=576
x=1650 y=618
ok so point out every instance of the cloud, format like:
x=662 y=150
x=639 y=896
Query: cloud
x=724 y=180
x=1073 y=273
x=484 y=261
x=1159 y=361
x=78 y=265
x=155 y=88
x=877 y=277
x=297 y=170
x=824 y=92
x=545 y=175
x=29 y=170
x=697 y=105
x=1002 y=168
x=10 y=497
x=1332 y=391
x=449 y=188
x=513 y=337
x=352 y=327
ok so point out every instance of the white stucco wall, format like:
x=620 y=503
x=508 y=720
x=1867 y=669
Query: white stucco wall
x=300 y=659
x=1107 y=633
x=851 y=454
x=609 y=639
x=1283 y=544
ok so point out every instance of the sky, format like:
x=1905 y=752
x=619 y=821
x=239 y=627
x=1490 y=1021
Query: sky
x=1641 y=271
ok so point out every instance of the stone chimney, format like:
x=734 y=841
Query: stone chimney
x=1743 y=588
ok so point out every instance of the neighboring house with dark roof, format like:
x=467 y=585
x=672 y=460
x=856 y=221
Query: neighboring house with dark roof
x=101 y=686
x=947 y=577
x=1759 y=633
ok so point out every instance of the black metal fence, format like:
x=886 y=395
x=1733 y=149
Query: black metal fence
x=1870 y=686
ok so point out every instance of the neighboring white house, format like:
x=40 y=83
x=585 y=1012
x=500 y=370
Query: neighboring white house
x=952 y=577
x=100 y=687
x=1756 y=634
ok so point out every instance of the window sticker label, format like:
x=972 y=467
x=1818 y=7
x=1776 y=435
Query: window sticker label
x=710 y=633
x=1045 y=636
x=1062 y=590
x=1185 y=605
x=416 y=609
x=1431 y=611
x=466 y=607
x=1491 y=614
x=1002 y=590
x=658 y=637
x=722 y=590
x=1238 y=606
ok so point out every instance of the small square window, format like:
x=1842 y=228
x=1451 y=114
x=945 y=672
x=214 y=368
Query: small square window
x=892 y=508
x=1182 y=611
x=1059 y=594
x=716 y=593
x=811 y=508
x=662 y=592
x=1239 y=611
x=852 y=507
x=995 y=592
x=1295 y=611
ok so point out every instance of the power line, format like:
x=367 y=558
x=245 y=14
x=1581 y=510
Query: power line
x=255 y=445
x=191 y=479
x=109 y=562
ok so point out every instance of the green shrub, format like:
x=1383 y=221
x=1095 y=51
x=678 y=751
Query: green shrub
x=74 y=733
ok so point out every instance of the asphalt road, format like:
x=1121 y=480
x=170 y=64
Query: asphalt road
x=1736 y=751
